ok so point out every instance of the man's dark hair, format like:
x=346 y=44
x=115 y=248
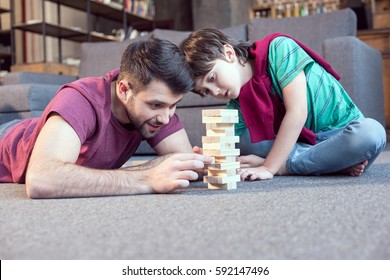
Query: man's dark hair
x=153 y=59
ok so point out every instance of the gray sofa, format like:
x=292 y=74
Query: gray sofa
x=333 y=35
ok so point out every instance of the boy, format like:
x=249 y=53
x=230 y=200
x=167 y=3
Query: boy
x=297 y=115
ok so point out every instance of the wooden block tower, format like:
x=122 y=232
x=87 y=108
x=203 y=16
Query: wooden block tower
x=219 y=143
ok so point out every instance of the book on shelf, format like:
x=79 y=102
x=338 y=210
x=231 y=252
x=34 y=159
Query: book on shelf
x=144 y=8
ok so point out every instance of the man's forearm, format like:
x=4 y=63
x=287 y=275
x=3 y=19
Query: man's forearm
x=147 y=165
x=52 y=179
x=70 y=180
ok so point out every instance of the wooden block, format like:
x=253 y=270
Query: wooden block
x=224 y=159
x=220 y=126
x=222 y=131
x=222 y=119
x=214 y=146
x=219 y=112
x=216 y=132
x=228 y=186
x=220 y=139
x=224 y=165
x=221 y=152
x=221 y=179
x=221 y=172
x=219 y=142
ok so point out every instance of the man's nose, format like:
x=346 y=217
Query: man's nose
x=164 y=116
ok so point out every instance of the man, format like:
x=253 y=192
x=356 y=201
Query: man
x=94 y=125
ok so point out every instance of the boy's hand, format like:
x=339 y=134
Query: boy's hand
x=252 y=174
x=250 y=161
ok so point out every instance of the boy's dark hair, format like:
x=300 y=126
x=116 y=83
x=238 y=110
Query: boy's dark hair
x=153 y=59
x=203 y=47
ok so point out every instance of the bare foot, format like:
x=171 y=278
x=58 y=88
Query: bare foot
x=356 y=170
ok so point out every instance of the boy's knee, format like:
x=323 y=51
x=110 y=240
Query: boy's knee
x=369 y=134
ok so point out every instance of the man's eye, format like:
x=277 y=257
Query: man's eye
x=155 y=106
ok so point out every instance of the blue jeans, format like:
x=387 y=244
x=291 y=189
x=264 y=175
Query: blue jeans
x=5 y=127
x=334 y=150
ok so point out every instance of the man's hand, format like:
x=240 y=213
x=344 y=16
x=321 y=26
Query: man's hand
x=175 y=172
x=197 y=150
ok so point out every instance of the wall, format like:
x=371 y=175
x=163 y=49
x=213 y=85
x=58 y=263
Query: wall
x=219 y=13
x=180 y=11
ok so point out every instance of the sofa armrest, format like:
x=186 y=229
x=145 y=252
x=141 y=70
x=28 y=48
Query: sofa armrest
x=24 y=100
x=360 y=68
x=15 y=78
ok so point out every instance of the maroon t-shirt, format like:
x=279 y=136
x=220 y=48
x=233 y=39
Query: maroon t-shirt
x=86 y=105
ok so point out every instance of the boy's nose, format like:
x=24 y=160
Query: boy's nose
x=216 y=91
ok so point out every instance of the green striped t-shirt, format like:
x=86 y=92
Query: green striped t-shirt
x=329 y=106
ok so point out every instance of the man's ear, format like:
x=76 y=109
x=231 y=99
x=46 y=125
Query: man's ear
x=122 y=91
x=229 y=52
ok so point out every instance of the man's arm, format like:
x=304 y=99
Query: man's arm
x=177 y=142
x=52 y=171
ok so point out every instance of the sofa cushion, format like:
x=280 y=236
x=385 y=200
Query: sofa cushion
x=26 y=97
x=237 y=32
x=192 y=120
x=174 y=36
x=97 y=59
x=7 y=117
x=311 y=30
x=191 y=99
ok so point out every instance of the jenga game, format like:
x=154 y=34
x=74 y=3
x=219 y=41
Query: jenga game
x=219 y=143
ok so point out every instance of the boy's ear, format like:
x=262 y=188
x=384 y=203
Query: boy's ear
x=229 y=52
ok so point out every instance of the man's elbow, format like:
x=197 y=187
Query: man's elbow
x=36 y=188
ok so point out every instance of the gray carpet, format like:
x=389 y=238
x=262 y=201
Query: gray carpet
x=326 y=217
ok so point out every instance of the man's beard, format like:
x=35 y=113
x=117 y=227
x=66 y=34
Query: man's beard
x=142 y=127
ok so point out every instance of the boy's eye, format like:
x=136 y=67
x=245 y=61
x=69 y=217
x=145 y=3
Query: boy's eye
x=212 y=78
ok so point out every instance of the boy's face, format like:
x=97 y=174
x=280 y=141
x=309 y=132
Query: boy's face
x=224 y=79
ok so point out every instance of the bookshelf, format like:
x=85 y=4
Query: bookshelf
x=138 y=14
x=293 y=8
x=6 y=54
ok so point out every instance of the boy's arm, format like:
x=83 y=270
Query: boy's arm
x=295 y=101
x=52 y=171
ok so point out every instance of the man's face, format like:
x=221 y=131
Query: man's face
x=151 y=108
